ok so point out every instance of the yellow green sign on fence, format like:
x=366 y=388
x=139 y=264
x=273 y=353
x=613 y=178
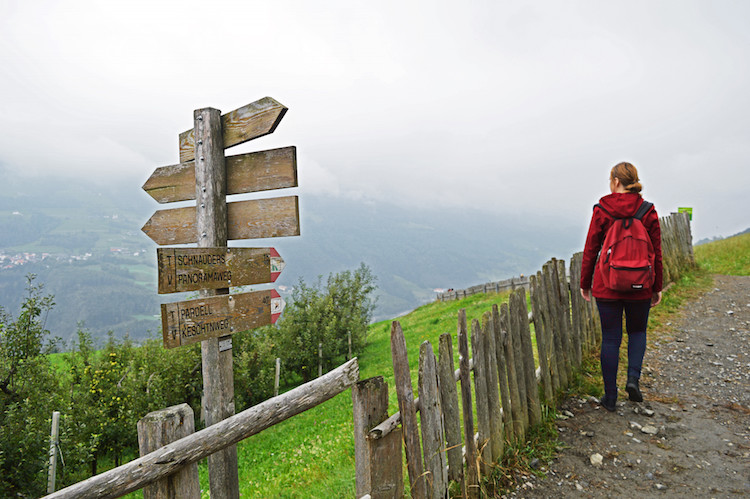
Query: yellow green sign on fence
x=689 y=211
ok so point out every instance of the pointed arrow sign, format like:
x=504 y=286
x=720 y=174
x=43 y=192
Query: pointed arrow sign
x=277 y=306
x=253 y=172
x=246 y=123
x=191 y=321
x=192 y=269
x=254 y=219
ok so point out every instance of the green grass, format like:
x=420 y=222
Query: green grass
x=312 y=454
x=729 y=256
x=290 y=460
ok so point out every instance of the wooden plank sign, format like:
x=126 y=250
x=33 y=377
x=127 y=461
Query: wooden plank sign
x=252 y=172
x=192 y=269
x=258 y=218
x=249 y=122
x=191 y=321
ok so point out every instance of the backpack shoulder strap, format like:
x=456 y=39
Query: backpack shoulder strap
x=643 y=209
x=603 y=209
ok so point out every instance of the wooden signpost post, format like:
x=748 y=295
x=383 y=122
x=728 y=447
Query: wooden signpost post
x=206 y=176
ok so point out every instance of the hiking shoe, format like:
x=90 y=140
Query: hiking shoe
x=608 y=403
x=634 y=392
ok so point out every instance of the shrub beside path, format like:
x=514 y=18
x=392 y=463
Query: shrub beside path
x=691 y=435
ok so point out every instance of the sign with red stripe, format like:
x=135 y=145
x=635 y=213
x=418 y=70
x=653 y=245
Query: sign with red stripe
x=191 y=321
x=192 y=269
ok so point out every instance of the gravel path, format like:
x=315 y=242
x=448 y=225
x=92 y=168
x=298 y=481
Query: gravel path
x=691 y=435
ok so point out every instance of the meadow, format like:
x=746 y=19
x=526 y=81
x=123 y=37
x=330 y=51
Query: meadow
x=730 y=256
x=312 y=454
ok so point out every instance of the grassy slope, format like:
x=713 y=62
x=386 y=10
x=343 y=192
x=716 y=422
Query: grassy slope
x=729 y=256
x=290 y=460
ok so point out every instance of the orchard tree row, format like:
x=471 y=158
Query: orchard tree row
x=101 y=394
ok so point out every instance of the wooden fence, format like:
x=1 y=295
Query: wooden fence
x=182 y=453
x=509 y=390
x=508 y=395
x=494 y=287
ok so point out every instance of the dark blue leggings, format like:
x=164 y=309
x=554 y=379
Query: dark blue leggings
x=636 y=320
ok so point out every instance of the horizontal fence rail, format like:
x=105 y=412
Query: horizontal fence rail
x=168 y=459
x=490 y=287
x=509 y=388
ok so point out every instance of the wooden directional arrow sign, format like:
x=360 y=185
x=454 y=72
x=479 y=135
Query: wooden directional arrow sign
x=191 y=269
x=259 y=218
x=253 y=172
x=191 y=321
x=246 y=123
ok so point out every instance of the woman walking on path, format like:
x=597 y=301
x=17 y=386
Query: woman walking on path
x=611 y=299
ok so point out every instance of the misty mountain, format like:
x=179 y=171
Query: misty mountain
x=102 y=268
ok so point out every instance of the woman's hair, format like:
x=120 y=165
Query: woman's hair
x=628 y=176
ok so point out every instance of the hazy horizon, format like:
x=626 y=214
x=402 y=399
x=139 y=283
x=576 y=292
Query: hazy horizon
x=509 y=107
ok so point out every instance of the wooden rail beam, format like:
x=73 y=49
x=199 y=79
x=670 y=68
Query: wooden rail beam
x=145 y=470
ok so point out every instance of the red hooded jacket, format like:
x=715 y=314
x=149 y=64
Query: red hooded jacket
x=620 y=205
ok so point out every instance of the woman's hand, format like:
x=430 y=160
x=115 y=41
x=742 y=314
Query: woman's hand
x=655 y=299
x=586 y=293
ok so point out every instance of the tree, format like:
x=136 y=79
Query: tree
x=326 y=315
x=254 y=366
x=29 y=392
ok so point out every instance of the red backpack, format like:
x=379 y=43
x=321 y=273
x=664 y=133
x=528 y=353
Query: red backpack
x=626 y=262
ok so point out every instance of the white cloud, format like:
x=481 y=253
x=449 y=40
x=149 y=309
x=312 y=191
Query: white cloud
x=496 y=104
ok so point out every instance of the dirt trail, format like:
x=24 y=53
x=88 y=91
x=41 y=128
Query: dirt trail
x=695 y=443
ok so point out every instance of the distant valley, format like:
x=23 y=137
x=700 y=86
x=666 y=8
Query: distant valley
x=85 y=245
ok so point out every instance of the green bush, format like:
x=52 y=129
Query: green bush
x=101 y=394
x=325 y=314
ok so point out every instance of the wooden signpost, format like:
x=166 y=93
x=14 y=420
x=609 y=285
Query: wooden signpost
x=192 y=269
x=253 y=219
x=191 y=321
x=253 y=172
x=211 y=268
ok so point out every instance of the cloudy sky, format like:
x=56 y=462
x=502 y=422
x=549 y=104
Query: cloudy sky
x=519 y=107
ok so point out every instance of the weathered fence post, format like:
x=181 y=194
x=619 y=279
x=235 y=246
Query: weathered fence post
x=53 y=442
x=553 y=306
x=211 y=224
x=524 y=333
x=575 y=297
x=567 y=349
x=515 y=337
x=574 y=341
x=502 y=374
x=472 y=468
x=276 y=378
x=497 y=438
x=541 y=342
x=549 y=328
x=480 y=389
x=408 y=412
x=377 y=462
x=513 y=384
x=449 y=403
x=158 y=429
x=431 y=415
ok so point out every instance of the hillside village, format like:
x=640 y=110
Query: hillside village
x=13 y=260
